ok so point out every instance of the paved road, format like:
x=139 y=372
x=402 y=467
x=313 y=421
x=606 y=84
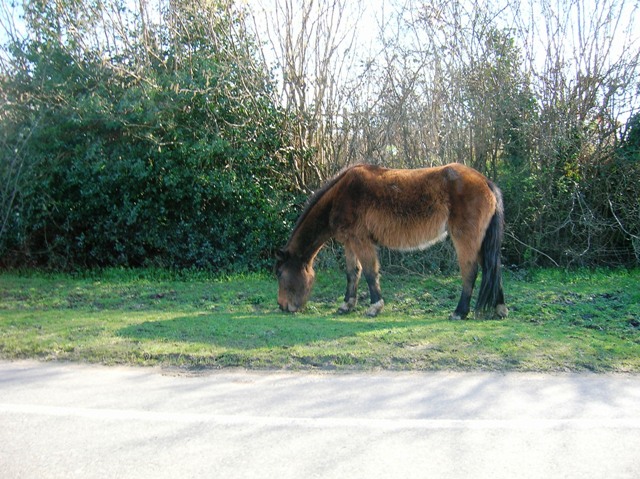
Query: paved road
x=66 y=421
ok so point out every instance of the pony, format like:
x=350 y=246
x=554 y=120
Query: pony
x=365 y=207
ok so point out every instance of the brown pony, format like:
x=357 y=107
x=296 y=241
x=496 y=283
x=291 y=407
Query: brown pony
x=368 y=206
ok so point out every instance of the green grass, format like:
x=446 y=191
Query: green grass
x=559 y=321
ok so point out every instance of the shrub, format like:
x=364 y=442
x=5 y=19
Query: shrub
x=131 y=162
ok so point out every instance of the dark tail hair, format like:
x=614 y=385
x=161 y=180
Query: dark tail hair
x=490 y=294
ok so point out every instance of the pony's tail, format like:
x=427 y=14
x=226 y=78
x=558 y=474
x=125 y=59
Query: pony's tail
x=491 y=294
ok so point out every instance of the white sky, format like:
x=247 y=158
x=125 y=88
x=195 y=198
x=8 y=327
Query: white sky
x=376 y=13
x=625 y=40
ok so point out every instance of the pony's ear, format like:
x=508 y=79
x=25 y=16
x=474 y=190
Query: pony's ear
x=282 y=255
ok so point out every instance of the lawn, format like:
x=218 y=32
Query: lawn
x=559 y=321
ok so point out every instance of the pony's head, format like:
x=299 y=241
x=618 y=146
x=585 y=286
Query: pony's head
x=295 y=280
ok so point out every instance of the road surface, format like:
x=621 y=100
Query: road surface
x=83 y=421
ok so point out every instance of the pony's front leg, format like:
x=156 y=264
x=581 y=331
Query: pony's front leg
x=371 y=267
x=353 y=277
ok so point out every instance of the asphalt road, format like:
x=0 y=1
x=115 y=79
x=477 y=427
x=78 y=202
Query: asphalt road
x=68 y=420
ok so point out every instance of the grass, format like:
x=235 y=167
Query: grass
x=559 y=321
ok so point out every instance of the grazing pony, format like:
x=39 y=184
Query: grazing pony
x=367 y=206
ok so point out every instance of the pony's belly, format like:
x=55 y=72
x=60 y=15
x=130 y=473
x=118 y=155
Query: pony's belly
x=421 y=245
x=404 y=232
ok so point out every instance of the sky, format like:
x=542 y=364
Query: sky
x=9 y=18
x=366 y=22
x=377 y=12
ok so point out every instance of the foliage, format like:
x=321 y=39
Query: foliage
x=133 y=134
x=165 y=150
x=580 y=206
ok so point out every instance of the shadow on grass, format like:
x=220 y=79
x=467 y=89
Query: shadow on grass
x=251 y=331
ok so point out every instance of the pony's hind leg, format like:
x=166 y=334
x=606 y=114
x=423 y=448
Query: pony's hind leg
x=467 y=250
x=469 y=272
x=501 y=308
x=353 y=277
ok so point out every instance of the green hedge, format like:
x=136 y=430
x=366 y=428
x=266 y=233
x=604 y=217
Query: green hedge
x=180 y=167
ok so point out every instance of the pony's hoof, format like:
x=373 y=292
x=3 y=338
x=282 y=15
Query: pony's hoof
x=375 y=309
x=346 y=307
x=500 y=312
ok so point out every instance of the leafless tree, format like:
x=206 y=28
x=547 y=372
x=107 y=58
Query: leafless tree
x=313 y=45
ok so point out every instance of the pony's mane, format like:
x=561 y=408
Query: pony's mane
x=317 y=195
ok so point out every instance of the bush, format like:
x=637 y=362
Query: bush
x=122 y=162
